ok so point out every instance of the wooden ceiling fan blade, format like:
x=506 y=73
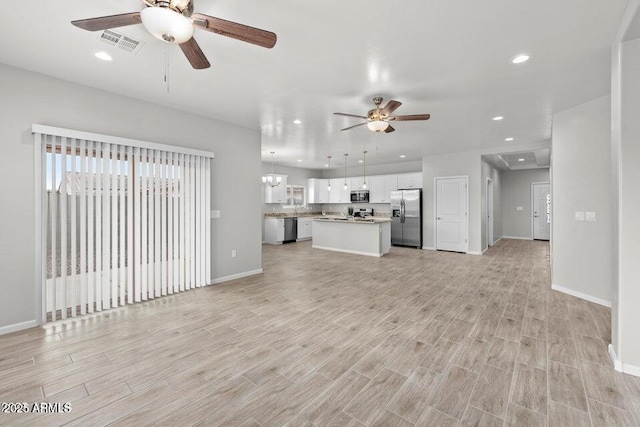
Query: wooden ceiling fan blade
x=355 y=126
x=390 y=107
x=194 y=54
x=389 y=129
x=410 y=117
x=351 y=115
x=107 y=22
x=235 y=31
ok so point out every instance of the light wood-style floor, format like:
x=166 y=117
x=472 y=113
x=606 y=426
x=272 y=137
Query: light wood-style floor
x=327 y=339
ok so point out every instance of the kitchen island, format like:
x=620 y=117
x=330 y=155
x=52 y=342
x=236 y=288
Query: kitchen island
x=366 y=236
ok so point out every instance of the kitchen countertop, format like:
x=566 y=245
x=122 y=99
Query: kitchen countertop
x=368 y=220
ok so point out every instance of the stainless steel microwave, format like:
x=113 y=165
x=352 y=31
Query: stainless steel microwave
x=360 y=196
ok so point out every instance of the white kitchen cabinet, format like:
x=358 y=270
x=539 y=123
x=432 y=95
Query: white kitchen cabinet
x=274 y=230
x=358 y=181
x=338 y=194
x=277 y=194
x=381 y=187
x=304 y=228
x=409 y=180
x=317 y=190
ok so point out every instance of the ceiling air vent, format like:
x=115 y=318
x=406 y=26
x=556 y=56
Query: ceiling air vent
x=121 y=41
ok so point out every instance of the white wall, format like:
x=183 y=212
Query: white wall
x=625 y=151
x=516 y=192
x=455 y=164
x=27 y=98
x=581 y=144
x=496 y=176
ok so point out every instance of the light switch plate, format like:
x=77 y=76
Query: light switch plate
x=579 y=216
x=215 y=214
x=519 y=208
x=590 y=216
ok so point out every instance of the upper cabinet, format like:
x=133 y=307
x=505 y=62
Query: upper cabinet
x=317 y=191
x=409 y=180
x=381 y=187
x=277 y=194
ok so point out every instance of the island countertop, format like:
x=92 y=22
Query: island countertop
x=338 y=219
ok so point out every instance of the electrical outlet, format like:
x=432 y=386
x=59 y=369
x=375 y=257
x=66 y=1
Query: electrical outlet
x=579 y=216
x=233 y=253
x=590 y=216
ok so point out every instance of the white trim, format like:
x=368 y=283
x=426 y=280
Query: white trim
x=622 y=367
x=617 y=364
x=489 y=218
x=89 y=136
x=428 y=248
x=516 y=238
x=582 y=295
x=235 y=276
x=484 y=251
x=499 y=238
x=18 y=327
x=474 y=253
x=38 y=162
x=347 y=251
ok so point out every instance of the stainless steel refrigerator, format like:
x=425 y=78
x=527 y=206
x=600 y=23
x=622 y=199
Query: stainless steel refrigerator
x=406 y=218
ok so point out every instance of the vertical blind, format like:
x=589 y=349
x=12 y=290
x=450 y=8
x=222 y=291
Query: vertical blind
x=120 y=223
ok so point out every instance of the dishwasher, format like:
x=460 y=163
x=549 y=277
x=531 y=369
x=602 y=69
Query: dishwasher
x=290 y=230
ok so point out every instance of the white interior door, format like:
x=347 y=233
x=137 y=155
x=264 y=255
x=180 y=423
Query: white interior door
x=451 y=214
x=541 y=210
x=489 y=212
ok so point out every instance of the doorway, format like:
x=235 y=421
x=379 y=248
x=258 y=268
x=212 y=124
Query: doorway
x=452 y=222
x=489 y=227
x=540 y=211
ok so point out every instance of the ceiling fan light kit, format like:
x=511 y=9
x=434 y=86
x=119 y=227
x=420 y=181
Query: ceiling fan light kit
x=167 y=25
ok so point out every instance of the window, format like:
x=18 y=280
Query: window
x=295 y=195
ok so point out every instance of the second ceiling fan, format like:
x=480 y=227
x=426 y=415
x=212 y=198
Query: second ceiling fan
x=377 y=120
x=173 y=21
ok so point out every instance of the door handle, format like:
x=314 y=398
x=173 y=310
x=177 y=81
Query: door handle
x=438 y=218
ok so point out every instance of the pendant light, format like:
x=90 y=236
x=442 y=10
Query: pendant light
x=271 y=179
x=364 y=170
x=329 y=165
x=346 y=187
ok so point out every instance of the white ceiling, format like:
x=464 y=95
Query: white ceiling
x=447 y=58
x=516 y=160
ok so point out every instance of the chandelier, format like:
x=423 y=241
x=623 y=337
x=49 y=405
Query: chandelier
x=271 y=178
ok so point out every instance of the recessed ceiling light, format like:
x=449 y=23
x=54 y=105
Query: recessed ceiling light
x=326 y=166
x=521 y=160
x=498 y=118
x=299 y=160
x=103 y=55
x=520 y=59
x=402 y=156
x=508 y=139
x=359 y=161
x=297 y=121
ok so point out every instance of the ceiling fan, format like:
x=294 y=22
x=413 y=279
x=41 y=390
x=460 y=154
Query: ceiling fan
x=377 y=120
x=173 y=21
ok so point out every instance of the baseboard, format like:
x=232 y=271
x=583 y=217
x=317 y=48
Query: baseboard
x=474 y=253
x=346 y=251
x=581 y=295
x=236 y=276
x=516 y=238
x=496 y=241
x=622 y=367
x=485 y=250
x=18 y=327
x=428 y=248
